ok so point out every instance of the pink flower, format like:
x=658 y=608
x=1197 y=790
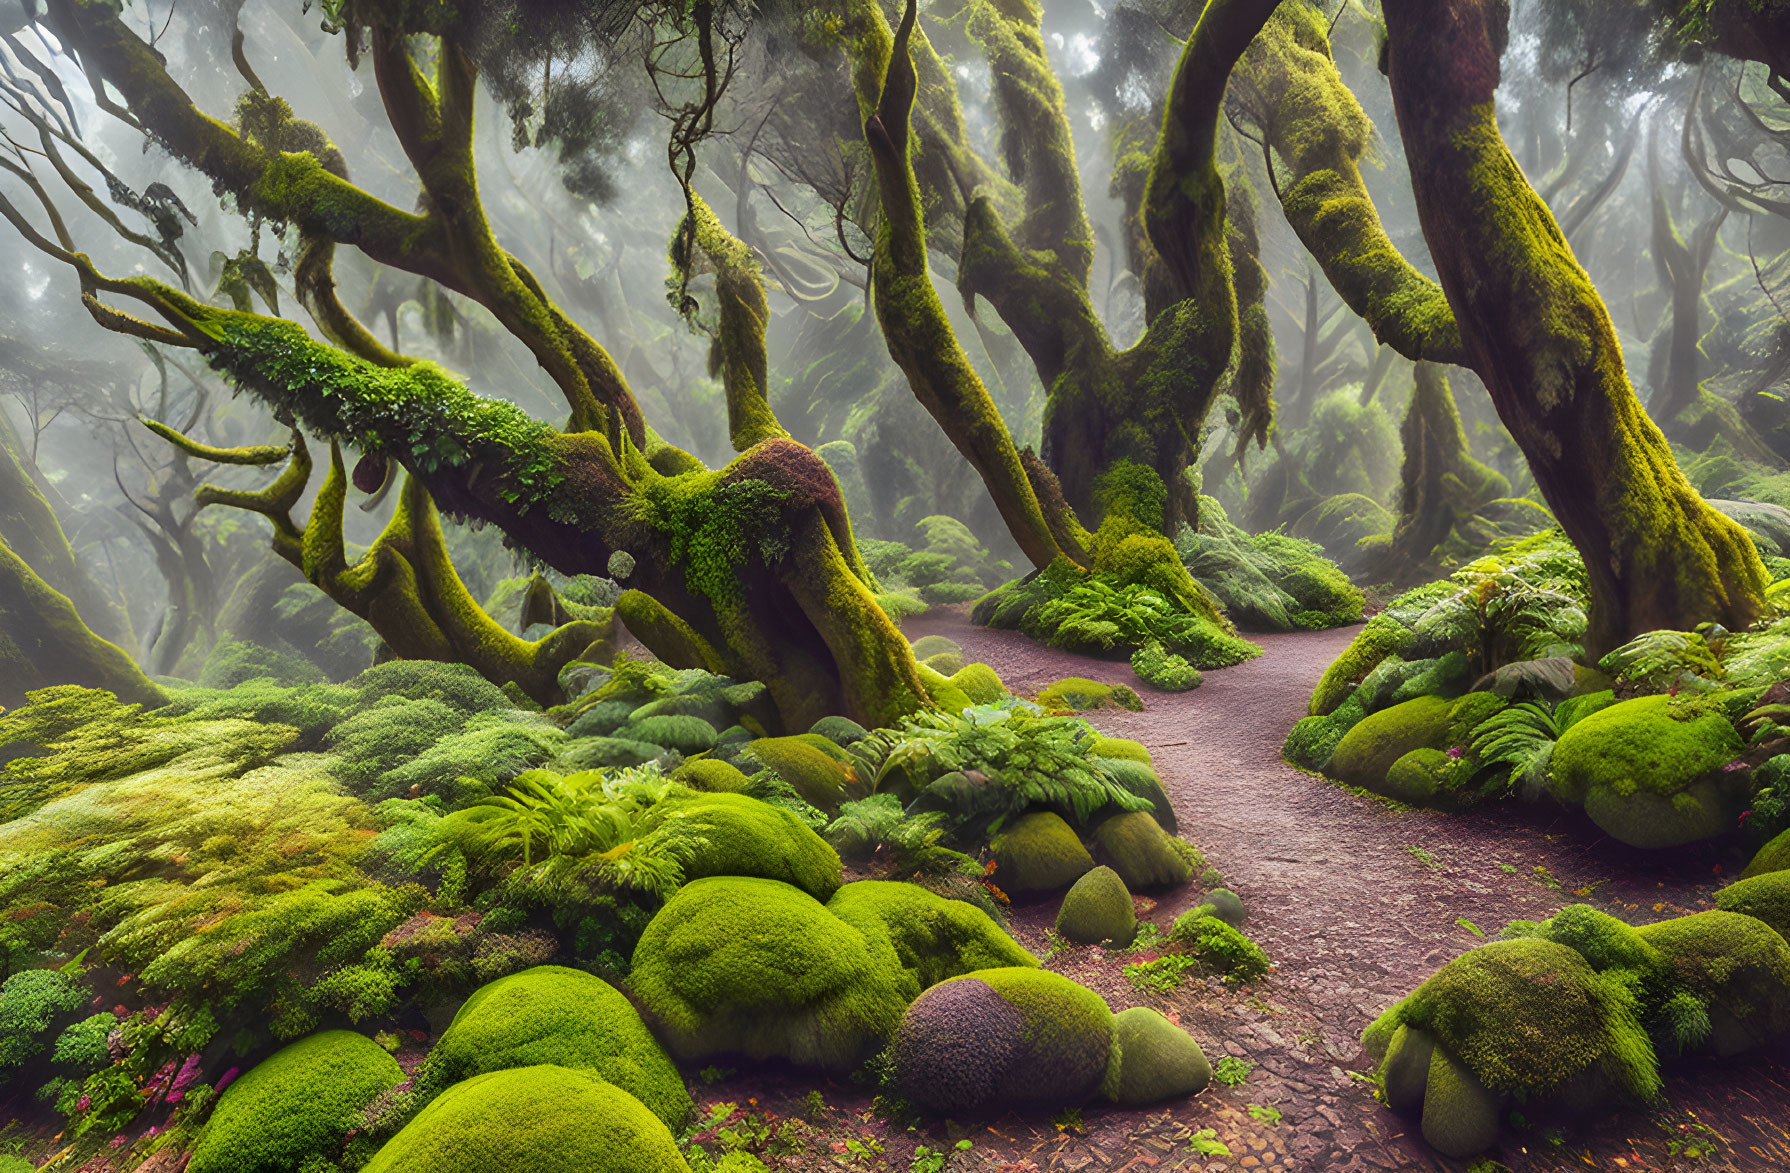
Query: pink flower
x=1456 y=752
x=84 y=1103
x=189 y=1071
x=228 y=1076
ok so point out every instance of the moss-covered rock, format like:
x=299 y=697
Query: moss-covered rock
x=1039 y=852
x=1405 y=1073
x=1766 y=897
x=1140 y=779
x=934 y=938
x=1526 y=1016
x=928 y=646
x=944 y=694
x=1226 y=906
x=1220 y=945
x=1383 y=636
x=1649 y=771
x=759 y=968
x=1739 y=965
x=296 y=1105
x=564 y=1017
x=1366 y=753
x=682 y=732
x=980 y=683
x=1460 y=1114
x=1426 y=777
x=1000 y=1038
x=822 y=778
x=1079 y=694
x=1135 y=846
x=745 y=837
x=713 y=775
x=609 y=753
x=1098 y=908
x=842 y=731
x=1153 y=1060
x=1312 y=741
x=543 y=1119
x=1121 y=749
x=1773 y=857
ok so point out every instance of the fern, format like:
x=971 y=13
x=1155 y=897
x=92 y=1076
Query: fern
x=1518 y=742
x=879 y=825
x=571 y=837
x=1663 y=661
x=1027 y=759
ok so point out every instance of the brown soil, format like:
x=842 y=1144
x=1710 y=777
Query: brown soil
x=1356 y=903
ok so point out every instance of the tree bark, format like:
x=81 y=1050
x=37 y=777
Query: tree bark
x=1538 y=334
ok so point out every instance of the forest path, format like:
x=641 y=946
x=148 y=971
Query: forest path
x=1357 y=903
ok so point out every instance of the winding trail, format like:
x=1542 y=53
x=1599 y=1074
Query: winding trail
x=1357 y=904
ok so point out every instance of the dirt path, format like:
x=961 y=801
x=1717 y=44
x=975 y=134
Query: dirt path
x=1357 y=904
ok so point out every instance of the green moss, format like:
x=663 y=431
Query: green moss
x=1648 y=771
x=1120 y=748
x=980 y=683
x=1313 y=740
x=1220 y=945
x=1738 y=964
x=296 y=1105
x=1765 y=896
x=1039 y=852
x=819 y=777
x=1067 y=1035
x=1077 y=693
x=1383 y=636
x=1163 y=669
x=1427 y=777
x=686 y=734
x=543 y=1119
x=30 y=1002
x=1773 y=857
x=1098 y=909
x=712 y=775
x=1460 y=1114
x=935 y=938
x=564 y=1017
x=759 y=968
x=1366 y=753
x=1141 y=851
x=1153 y=1060
x=1405 y=1069
x=928 y=646
x=715 y=522
x=746 y=837
x=1526 y=1016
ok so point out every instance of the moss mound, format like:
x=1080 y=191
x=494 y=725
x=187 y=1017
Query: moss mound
x=746 y=837
x=1648 y=771
x=935 y=938
x=1219 y=944
x=713 y=775
x=1773 y=857
x=1460 y=1114
x=1766 y=897
x=1121 y=749
x=1526 y=1016
x=1078 y=694
x=839 y=730
x=1000 y=1038
x=980 y=683
x=823 y=778
x=1098 y=908
x=928 y=646
x=295 y=1105
x=1738 y=964
x=1366 y=753
x=1039 y=852
x=543 y=1119
x=1135 y=846
x=736 y=965
x=1140 y=779
x=1153 y=1060
x=563 y=1017
x=683 y=732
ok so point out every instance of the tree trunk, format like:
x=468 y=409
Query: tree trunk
x=1442 y=484
x=1541 y=338
x=43 y=642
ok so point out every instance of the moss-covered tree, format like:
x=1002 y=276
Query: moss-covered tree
x=750 y=569
x=1538 y=334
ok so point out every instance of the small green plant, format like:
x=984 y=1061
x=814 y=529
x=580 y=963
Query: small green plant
x=1469 y=926
x=1425 y=858
x=1266 y=1113
x=1232 y=1071
x=713 y=1075
x=1160 y=975
x=1547 y=879
x=928 y=1160
x=1508 y=867
x=1068 y=1120
x=814 y=1105
x=1205 y=1142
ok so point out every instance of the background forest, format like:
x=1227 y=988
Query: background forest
x=699 y=373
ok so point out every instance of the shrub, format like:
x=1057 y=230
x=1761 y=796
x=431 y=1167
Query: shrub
x=1219 y=945
x=295 y=1106
x=30 y=1003
x=543 y=1119
x=1161 y=668
x=564 y=1017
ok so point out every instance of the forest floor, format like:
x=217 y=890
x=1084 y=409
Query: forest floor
x=1357 y=903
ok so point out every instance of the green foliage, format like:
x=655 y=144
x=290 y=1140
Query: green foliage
x=1232 y=1071
x=1225 y=949
x=568 y=838
x=1078 y=694
x=1094 y=616
x=1662 y=661
x=934 y=938
x=30 y=1003
x=1162 y=974
x=1027 y=759
x=743 y=836
x=715 y=525
x=909 y=843
x=1267 y=582
x=295 y=1106
x=1161 y=668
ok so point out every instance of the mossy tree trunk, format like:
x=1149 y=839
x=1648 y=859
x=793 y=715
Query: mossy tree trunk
x=1442 y=485
x=749 y=570
x=1682 y=265
x=1536 y=331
